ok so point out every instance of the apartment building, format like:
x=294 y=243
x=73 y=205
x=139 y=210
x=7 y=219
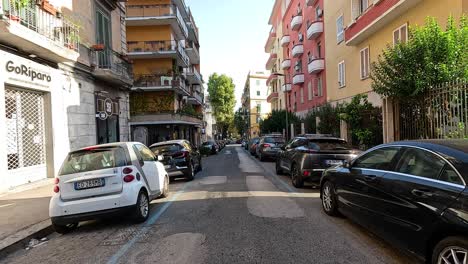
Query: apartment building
x=167 y=95
x=64 y=83
x=358 y=31
x=210 y=121
x=254 y=100
x=302 y=58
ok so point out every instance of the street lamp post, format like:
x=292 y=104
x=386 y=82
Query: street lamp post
x=286 y=103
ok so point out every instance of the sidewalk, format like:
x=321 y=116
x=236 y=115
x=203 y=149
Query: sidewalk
x=24 y=212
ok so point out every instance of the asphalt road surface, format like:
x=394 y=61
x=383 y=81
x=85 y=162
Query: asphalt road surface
x=235 y=211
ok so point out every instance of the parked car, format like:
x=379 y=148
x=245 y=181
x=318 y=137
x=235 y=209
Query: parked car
x=306 y=157
x=209 y=147
x=269 y=146
x=253 y=146
x=411 y=193
x=181 y=158
x=102 y=180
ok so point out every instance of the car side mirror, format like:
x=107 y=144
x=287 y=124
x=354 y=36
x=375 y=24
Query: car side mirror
x=160 y=158
x=347 y=164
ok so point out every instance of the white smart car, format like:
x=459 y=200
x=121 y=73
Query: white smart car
x=102 y=180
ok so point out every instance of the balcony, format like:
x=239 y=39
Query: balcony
x=286 y=64
x=285 y=40
x=298 y=78
x=273 y=76
x=271 y=61
x=270 y=40
x=195 y=99
x=316 y=66
x=159 y=82
x=375 y=18
x=315 y=29
x=296 y=22
x=192 y=32
x=298 y=50
x=272 y=97
x=110 y=66
x=155 y=15
x=165 y=118
x=286 y=87
x=311 y=2
x=31 y=29
x=192 y=52
x=193 y=76
x=157 y=49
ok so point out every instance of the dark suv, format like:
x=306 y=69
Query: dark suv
x=306 y=157
x=181 y=158
x=269 y=146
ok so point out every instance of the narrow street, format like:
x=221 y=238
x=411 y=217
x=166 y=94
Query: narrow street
x=235 y=211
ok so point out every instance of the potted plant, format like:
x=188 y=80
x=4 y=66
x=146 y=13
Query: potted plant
x=98 y=47
x=48 y=7
x=72 y=40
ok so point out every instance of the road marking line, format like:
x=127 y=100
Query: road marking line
x=146 y=226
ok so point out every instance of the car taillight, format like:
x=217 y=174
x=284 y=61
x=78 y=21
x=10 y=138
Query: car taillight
x=306 y=173
x=56 y=181
x=128 y=178
x=266 y=146
x=127 y=170
x=181 y=154
x=56 y=189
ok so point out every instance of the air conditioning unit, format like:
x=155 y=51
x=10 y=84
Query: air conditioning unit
x=319 y=12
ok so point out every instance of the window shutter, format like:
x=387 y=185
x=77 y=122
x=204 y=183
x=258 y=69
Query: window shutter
x=354 y=9
x=309 y=90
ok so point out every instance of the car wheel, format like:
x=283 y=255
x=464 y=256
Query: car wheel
x=279 y=171
x=64 y=229
x=451 y=250
x=296 y=178
x=329 y=201
x=190 y=173
x=165 y=191
x=141 y=208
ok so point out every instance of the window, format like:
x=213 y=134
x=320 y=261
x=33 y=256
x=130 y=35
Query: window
x=421 y=163
x=302 y=95
x=96 y=159
x=318 y=13
x=319 y=50
x=298 y=67
x=379 y=159
x=363 y=5
x=309 y=91
x=103 y=35
x=319 y=86
x=400 y=34
x=341 y=74
x=258 y=93
x=259 y=108
x=450 y=175
x=258 y=119
x=145 y=153
x=339 y=29
x=365 y=64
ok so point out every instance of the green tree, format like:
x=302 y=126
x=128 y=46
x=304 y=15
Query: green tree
x=240 y=121
x=276 y=121
x=221 y=90
x=431 y=56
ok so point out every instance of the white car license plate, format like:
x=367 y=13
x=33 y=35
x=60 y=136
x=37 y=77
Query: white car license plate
x=334 y=162
x=88 y=184
x=167 y=166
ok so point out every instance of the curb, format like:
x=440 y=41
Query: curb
x=20 y=239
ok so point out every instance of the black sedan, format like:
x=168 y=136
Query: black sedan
x=306 y=157
x=209 y=147
x=181 y=158
x=411 y=193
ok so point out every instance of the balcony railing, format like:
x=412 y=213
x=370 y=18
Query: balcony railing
x=60 y=30
x=286 y=64
x=113 y=62
x=157 y=46
x=298 y=50
x=296 y=22
x=316 y=66
x=315 y=29
x=286 y=87
x=157 y=11
x=192 y=52
x=298 y=78
x=285 y=40
x=159 y=82
x=271 y=61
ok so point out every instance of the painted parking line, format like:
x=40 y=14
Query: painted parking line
x=146 y=226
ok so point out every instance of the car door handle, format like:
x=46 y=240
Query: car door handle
x=370 y=178
x=422 y=193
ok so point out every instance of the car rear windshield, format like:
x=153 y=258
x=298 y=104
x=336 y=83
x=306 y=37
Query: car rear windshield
x=274 y=140
x=328 y=144
x=93 y=159
x=166 y=148
x=207 y=143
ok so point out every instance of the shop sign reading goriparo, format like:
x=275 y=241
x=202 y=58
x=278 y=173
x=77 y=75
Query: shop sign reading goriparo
x=27 y=71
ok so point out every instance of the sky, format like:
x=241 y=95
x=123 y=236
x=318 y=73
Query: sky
x=233 y=34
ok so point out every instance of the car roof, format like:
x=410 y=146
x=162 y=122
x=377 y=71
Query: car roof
x=177 y=141
x=457 y=148
x=107 y=145
x=326 y=137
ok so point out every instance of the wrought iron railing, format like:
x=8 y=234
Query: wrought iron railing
x=159 y=80
x=158 y=46
x=442 y=112
x=108 y=59
x=60 y=30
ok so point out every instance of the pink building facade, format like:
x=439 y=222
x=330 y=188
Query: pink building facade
x=305 y=86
